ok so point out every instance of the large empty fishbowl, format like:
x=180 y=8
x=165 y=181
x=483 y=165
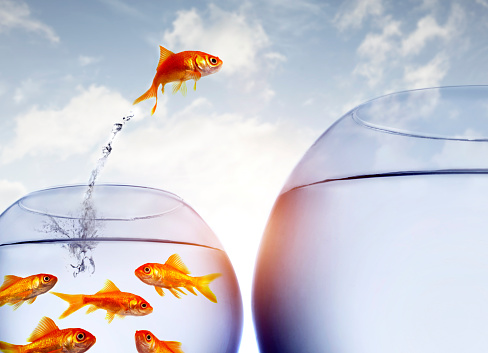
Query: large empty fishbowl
x=378 y=242
x=128 y=269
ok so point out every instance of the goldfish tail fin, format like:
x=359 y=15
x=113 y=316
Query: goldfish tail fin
x=151 y=92
x=9 y=348
x=75 y=302
x=202 y=286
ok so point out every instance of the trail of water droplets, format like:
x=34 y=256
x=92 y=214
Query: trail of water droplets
x=85 y=226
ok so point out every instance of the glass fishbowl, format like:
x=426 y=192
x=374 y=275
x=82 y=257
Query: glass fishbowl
x=378 y=242
x=126 y=264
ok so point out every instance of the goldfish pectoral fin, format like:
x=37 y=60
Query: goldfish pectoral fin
x=31 y=300
x=91 y=309
x=176 y=86
x=195 y=76
x=159 y=290
x=17 y=304
x=183 y=88
x=109 y=317
x=175 y=293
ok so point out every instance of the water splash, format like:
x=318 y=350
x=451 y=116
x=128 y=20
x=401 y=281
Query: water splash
x=86 y=226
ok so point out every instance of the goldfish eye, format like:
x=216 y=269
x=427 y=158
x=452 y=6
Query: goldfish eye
x=147 y=270
x=213 y=61
x=80 y=336
x=148 y=338
x=144 y=305
x=46 y=278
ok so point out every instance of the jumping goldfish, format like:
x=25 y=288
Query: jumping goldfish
x=109 y=298
x=174 y=274
x=178 y=68
x=146 y=342
x=17 y=290
x=48 y=338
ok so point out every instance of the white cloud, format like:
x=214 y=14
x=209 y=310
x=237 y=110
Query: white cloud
x=393 y=51
x=85 y=60
x=376 y=49
x=428 y=29
x=428 y=75
x=353 y=13
x=238 y=41
x=16 y=14
x=10 y=191
x=73 y=129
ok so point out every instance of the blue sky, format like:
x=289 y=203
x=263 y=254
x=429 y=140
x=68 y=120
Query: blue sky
x=71 y=69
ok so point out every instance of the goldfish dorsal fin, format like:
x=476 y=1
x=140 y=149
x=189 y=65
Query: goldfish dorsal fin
x=174 y=346
x=176 y=262
x=45 y=327
x=163 y=55
x=108 y=287
x=8 y=281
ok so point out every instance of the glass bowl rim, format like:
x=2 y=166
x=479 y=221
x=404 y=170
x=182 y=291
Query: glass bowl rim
x=179 y=200
x=385 y=129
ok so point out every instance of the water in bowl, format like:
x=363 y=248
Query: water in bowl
x=383 y=263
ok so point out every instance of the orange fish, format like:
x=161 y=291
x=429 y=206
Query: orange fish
x=48 y=338
x=109 y=298
x=17 y=290
x=174 y=274
x=178 y=68
x=146 y=342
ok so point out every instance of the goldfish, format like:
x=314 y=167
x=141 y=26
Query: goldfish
x=47 y=337
x=17 y=290
x=109 y=298
x=146 y=342
x=178 y=68
x=174 y=274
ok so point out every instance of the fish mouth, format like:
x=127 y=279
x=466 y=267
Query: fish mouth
x=89 y=344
